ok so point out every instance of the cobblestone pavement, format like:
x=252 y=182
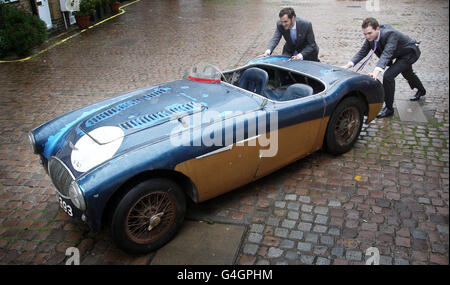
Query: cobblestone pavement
x=390 y=191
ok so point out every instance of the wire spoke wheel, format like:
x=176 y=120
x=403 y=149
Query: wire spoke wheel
x=148 y=215
x=344 y=126
x=151 y=217
x=347 y=125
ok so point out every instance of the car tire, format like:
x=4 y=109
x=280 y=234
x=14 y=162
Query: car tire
x=344 y=126
x=148 y=216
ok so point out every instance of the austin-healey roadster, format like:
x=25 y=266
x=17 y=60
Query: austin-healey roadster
x=132 y=161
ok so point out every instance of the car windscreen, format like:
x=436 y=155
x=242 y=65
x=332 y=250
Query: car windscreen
x=204 y=72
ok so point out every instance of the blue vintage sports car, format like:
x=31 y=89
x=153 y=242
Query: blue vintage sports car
x=132 y=161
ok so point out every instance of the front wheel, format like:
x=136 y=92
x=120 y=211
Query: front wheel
x=344 y=126
x=148 y=216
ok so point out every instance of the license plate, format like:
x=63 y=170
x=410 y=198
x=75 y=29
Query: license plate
x=65 y=206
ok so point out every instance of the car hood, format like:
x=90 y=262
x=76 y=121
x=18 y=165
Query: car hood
x=166 y=103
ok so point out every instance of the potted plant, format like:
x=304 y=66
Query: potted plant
x=115 y=5
x=87 y=9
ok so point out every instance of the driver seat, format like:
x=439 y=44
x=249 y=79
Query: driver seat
x=254 y=80
x=296 y=91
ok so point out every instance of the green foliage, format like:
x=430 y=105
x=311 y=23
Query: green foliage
x=20 y=31
x=100 y=3
x=87 y=8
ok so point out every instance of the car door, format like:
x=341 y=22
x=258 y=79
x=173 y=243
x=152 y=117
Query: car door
x=221 y=169
x=301 y=127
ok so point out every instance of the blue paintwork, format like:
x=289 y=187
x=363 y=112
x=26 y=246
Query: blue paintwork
x=149 y=117
x=268 y=59
x=50 y=133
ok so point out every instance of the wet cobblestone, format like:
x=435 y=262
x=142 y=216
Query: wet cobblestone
x=313 y=211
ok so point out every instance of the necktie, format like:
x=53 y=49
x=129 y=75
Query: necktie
x=294 y=39
x=293 y=36
x=372 y=52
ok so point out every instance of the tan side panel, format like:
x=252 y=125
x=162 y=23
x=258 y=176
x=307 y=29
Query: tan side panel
x=294 y=142
x=321 y=134
x=374 y=109
x=219 y=173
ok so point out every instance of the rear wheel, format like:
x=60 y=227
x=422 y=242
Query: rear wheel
x=344 y=126
x=148 y=216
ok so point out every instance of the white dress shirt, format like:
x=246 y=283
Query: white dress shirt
x=295 y=31
x=376 y=68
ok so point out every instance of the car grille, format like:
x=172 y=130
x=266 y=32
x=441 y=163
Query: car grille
x=111 y=112
x=156 y=93
x=60 y=176
x=162 y=116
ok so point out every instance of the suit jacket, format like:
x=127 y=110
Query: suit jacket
x=391 y=45
x=305 y=43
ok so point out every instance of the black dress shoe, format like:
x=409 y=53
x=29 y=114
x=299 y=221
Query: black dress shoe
x=385 y=112
x=419 y=94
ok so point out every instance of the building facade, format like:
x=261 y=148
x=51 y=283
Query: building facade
x=48 y=10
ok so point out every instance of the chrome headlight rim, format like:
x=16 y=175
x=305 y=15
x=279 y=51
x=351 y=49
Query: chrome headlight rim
x=76 y=196
x=61 y=191
x=32 y=142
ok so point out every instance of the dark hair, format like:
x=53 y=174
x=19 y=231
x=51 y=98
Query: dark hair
x=370 y=22
x=287 y=11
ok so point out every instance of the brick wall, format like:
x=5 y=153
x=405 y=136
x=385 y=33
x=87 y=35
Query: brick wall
x=24 y=4
x=55 y=12
x=58 y=26
x=57 y=17
x=54 y=6
x=55 y=9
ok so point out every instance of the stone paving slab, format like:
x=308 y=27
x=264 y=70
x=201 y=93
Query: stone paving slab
x=410 y=111
x=200 y=243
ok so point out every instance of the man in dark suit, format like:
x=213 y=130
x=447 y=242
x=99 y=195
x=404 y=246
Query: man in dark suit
x=298 y=34
x=389 y=45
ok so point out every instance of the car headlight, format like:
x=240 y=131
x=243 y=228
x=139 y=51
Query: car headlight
x=76 y=196
x=32 y=142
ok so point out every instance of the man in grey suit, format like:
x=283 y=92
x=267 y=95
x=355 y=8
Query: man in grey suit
x=298 y=34
x=389 y=45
